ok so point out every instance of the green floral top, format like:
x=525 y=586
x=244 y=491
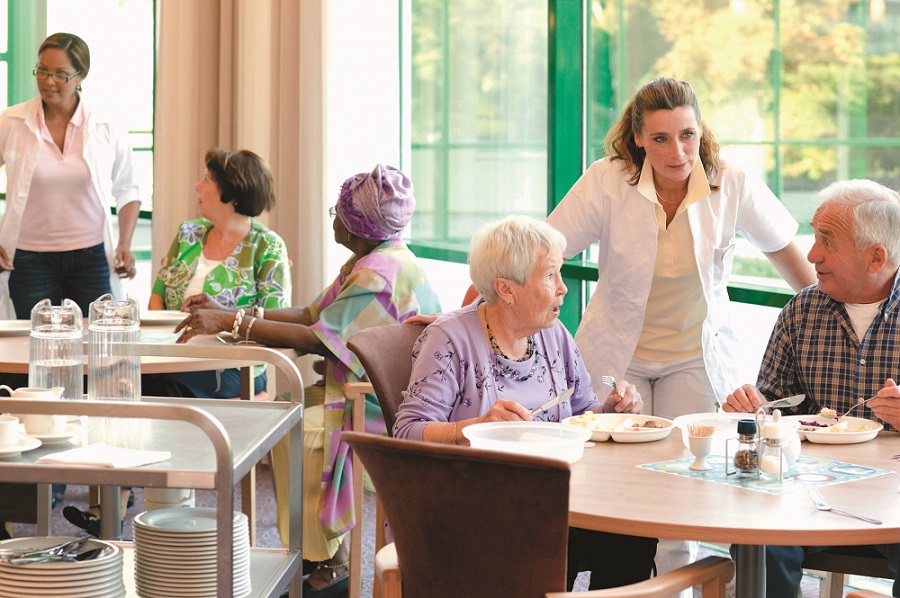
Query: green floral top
x=256 y=273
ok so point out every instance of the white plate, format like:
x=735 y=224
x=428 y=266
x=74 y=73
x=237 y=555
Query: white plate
x=182 y=520
x=616 y=426
x=113 y=558
x=26 y=443
x=54 y=439
x=159 y=317
x=860 y=429
x=15 y=327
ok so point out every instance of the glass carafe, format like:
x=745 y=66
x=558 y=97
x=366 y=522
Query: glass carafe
x=56 y=355
x=114 y=360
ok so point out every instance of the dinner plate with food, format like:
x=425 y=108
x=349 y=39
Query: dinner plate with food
x=622 y=427
x=828 y=429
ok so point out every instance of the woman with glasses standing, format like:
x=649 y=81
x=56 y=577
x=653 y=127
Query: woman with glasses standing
x=65 y=167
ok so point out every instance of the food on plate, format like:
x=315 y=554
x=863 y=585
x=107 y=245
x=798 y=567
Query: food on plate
x=839 y=428
x=828 y=412
x=596 y=421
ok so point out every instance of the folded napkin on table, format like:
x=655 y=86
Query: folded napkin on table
x=104 y=455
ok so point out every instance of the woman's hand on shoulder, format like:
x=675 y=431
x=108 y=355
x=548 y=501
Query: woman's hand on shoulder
x=505 y=410
x=624 y=399
x=202 y=301
x=427 y=320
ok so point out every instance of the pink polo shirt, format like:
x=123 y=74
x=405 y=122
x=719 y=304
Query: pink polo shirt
x=63 y=211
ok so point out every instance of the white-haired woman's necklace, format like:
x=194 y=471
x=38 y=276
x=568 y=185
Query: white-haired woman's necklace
x=504 y=370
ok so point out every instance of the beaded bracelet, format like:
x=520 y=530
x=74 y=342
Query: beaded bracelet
x=238 y=318
x=249 y=327
x=258 y=312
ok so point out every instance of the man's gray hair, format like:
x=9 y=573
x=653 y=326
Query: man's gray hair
x=875 y=210
x=508 y=248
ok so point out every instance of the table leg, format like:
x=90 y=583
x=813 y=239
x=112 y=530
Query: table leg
x=750 y=571
x=44 y=507
x=110 y=508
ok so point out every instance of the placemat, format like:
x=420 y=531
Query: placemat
x=807 y=471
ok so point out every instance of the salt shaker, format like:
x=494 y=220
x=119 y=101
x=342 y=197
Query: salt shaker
x=772 y=458
x=56 y=355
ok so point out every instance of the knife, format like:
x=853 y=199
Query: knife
x=785 y=402
x=561 y=397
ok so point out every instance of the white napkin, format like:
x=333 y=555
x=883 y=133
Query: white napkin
x=105 y=455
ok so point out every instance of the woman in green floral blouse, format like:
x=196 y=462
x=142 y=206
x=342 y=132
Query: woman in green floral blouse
x=228 y=255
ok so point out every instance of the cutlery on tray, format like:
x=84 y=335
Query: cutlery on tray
x=822 y=505
x=560 y=398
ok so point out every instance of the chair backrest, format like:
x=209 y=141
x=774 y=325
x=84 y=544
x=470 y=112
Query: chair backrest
x=385 y=352
x=470 y=522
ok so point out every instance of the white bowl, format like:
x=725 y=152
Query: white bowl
x=541 y=439
x=622 y=427
x=853 y=430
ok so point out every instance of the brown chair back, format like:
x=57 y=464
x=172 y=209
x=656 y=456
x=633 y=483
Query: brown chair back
x=470 y=522
x=385 y=352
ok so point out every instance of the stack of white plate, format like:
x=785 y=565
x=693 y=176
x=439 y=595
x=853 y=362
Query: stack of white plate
x=100 y=577
x=175 y=553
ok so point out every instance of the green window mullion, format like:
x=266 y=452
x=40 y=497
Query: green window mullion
x=565 y=137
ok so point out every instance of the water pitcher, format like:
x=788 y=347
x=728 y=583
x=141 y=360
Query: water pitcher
x=114 y=360
x=56 y=354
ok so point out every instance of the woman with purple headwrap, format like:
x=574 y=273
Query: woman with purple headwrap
x=382 y=283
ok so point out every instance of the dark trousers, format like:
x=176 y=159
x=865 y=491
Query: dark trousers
x=213 y=384
x=613 y=559
x=784 y=566
x=81 y=275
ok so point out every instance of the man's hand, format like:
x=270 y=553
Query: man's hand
x=886 y=406
x=744 y=400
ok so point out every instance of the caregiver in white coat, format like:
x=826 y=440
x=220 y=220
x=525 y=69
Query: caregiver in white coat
x=665 y=210
x=65 y=167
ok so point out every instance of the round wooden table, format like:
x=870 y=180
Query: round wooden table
x=609 y=492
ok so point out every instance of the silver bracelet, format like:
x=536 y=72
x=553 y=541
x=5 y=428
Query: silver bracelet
x=249 y=327
x=238 y=318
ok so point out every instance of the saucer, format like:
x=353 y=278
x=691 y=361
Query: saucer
x=26 y=443
x=61 y=438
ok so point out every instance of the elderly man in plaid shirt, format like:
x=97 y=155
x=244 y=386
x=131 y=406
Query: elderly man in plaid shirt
x=838 y=341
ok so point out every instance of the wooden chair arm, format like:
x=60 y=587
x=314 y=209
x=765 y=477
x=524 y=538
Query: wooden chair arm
x=713 y=573
x=354 y=390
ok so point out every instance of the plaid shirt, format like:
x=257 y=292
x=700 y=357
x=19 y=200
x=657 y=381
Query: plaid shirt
x=814 y=350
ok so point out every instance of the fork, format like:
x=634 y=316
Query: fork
x=843 y=415
x=820 y=503
x=609 y=381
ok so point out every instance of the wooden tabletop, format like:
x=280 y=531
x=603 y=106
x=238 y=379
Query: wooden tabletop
x=609 y=492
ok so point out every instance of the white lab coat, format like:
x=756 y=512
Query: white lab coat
x=603 y=207
x=108 y=155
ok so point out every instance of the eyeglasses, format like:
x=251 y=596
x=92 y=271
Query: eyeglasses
x=332 y=211
x=58 y=77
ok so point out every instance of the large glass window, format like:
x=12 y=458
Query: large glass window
x=803 y=93
x=479 y=113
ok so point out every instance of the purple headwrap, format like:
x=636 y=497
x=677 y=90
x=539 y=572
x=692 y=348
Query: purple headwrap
x=377 y=206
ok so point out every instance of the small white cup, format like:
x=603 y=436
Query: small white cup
x=38 y=424
x=9 y=432
x=700 y=447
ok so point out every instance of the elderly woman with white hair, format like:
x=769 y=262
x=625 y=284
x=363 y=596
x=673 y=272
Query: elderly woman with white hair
x=382 y=283
x=508 y=353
